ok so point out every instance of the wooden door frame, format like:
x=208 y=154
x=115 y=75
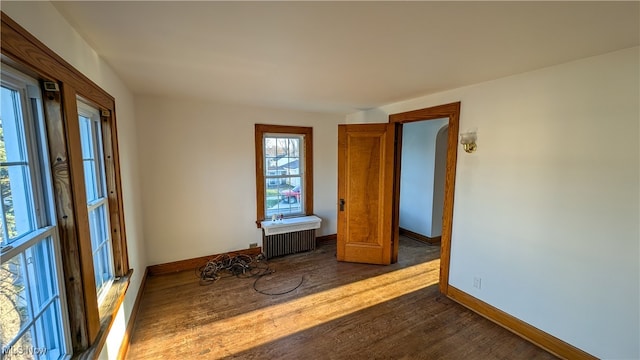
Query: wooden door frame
x=452 y=112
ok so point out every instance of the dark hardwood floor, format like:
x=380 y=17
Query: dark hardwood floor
x=341 y=311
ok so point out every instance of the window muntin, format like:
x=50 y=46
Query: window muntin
x=97 y=201
x=284 y=174
x=32 y=306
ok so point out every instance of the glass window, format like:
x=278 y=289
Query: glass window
x=97 y=201
x=32 y=306
x=284 y=171
x=15 y=183
x=283 y=159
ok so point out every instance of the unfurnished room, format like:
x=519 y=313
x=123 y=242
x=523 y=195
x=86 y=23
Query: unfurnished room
x=320 y=180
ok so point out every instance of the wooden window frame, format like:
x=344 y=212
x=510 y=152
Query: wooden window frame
x=89 y=323
x=40 y=268
x=93 y=114
x=307 y=187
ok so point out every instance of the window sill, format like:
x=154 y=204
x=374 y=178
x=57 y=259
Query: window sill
x=108 y=310
x=288 y=225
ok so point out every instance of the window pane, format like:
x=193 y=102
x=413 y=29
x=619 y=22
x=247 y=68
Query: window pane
x=97 y=271
x=101 y=245
x=23 y=348
x=41 y=269
x=89 y=158
x=49 y=343
x=102 y=266
x=270 y=146
x=90 y=180
x=285 y=199
x=270 y=159
x=16 y=201
x=2 y=232
x=14 y=304
x=94 y=227
x=11 y=136
x=105 y=273
x=15 y=183
x=281 y=156
x=86 y=137
x=280 y=147
x=98 y=226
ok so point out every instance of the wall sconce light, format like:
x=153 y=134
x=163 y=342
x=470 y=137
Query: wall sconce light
x=468 y=141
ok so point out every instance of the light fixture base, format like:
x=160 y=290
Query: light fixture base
x=470 y=148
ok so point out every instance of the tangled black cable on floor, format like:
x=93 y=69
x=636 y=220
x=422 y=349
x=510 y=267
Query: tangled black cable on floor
x=242 y=266
x=255 y=283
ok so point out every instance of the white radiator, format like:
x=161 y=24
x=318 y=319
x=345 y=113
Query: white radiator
x=289 y=236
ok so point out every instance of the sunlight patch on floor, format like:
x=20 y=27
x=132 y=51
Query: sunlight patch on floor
x=255 y=328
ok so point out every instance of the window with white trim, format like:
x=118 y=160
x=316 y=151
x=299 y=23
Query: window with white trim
x=96 y=191
x=33 y=309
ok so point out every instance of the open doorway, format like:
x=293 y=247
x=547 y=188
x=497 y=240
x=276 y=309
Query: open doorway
x=424 y=156
x=451 y=112
x=369 y=168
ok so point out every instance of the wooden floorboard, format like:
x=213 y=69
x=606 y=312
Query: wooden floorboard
x=341 y=311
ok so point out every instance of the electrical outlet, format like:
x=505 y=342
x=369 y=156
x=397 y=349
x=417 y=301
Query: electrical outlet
x=477 y=283
x=253 y=245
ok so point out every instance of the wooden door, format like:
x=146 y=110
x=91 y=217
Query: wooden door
x=366 y=160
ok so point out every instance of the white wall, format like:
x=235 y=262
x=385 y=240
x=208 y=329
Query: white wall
x=417 y=176
x=546 y=211
x=43 y=21
x=198 y=170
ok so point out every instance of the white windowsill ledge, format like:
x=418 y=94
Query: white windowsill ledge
x=290 y=225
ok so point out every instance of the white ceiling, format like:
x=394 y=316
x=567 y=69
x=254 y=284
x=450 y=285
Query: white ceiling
x=340 y=56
